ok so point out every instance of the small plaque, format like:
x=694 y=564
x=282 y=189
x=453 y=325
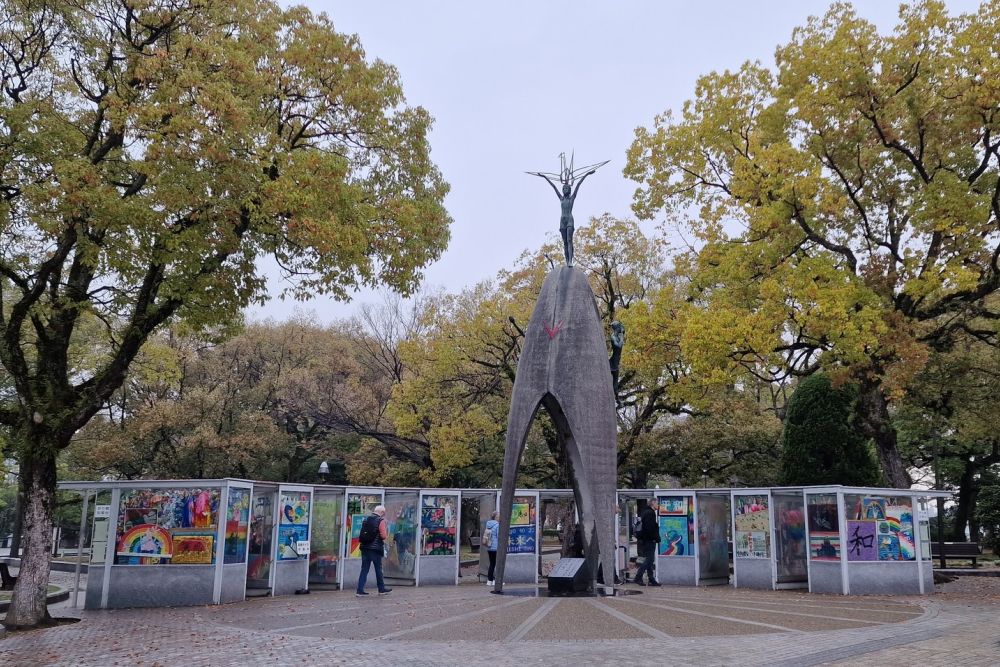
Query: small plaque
x=566 y=567
x=302 y=548
x=569 y=576
x=102 y=511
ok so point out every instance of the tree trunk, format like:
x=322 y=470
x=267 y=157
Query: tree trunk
x=28 y=608
x=966 y=491
x=15 y=545
x=874 y=422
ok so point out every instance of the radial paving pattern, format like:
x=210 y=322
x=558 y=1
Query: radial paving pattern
x=456 y=626
x=448 y=614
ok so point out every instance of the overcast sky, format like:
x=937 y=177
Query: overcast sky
x=513 y=84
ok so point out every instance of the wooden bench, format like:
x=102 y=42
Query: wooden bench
x=956 y=550
x=6 y=580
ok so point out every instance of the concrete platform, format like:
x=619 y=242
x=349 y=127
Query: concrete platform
x=456 y=626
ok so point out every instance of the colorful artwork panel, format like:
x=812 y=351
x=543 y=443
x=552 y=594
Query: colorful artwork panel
x=294 y=508
x=289 y=535
x=873 y=508
x=861 y=540
x=899 y=517
x=446 y=505
x=144 y=544
x=824 y=545
x=139 y=517
x=438 y=541
x=750 y=544
x=359 y=505
x=293 y=523
x=355 y=548
x=174 y=508
x=193 y=548
x=673 y=505
x=520 y=514
x=166 y=509
x=674 y=537
x=237 y=526
x=888 y=547
x=751 y=513
x=438 y=526
x=522 y=540
x=433 y=517
x=823 y=515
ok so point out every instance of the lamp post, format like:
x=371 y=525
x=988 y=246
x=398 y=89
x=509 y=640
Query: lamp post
x=324 y=471
x=704 y=478
x=940 y=501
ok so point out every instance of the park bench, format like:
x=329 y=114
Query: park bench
x=956 y=550
x=6 y=580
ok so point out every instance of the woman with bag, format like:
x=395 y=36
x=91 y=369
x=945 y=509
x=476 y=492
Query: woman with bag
x=490 y=540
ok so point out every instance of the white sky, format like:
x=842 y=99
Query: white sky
x=512 y=84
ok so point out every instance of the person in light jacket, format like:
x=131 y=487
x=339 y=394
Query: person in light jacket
x=493 y=527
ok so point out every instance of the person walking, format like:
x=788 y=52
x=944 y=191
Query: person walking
x=374 y=533
x=647 y=537
x=492 y=532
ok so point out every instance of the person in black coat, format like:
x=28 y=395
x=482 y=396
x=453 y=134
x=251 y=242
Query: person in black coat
x=647 y=537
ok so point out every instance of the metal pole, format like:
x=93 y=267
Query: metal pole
x=940 y=501
x=79 y=548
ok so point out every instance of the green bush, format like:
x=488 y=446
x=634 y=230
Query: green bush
x=820 y=444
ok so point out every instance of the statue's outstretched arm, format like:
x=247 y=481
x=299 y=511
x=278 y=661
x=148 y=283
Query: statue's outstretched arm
x=582 y=179
x=549 y=181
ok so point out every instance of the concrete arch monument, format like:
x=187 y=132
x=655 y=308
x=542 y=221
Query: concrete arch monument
x=564 y=366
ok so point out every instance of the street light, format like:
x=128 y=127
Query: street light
x=324 y=471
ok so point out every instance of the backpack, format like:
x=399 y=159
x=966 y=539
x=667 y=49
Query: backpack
x=487 y=539
x=369 y=530
x=637 y=525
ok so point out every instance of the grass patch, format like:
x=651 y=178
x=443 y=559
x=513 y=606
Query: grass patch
x=5 y=595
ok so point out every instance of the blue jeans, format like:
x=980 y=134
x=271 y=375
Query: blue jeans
x=368 y=557
x=647 y=552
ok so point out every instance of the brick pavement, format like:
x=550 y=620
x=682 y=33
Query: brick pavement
x=450 y=625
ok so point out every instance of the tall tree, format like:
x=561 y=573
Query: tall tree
x=820 y=444
x=949 y=426
x=847 y=202
x=151 y=153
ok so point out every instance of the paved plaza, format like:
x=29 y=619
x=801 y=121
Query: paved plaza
x=467 y=625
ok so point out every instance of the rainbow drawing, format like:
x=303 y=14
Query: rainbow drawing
x=144 y=544
x=900 y=520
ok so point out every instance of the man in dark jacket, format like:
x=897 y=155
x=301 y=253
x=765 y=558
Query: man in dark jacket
x=647 y=537
x=372 y=552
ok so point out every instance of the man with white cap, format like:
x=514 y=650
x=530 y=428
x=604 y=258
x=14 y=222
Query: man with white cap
x=374 y=533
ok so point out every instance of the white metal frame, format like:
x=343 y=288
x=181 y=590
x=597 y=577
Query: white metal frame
x=457 y=495
x=916 y=498
x=294 y=488
x=322 y=489
x=754 y=491
x=791 y=492
x=671 y=493
x=345 y=538
x=220 y=546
